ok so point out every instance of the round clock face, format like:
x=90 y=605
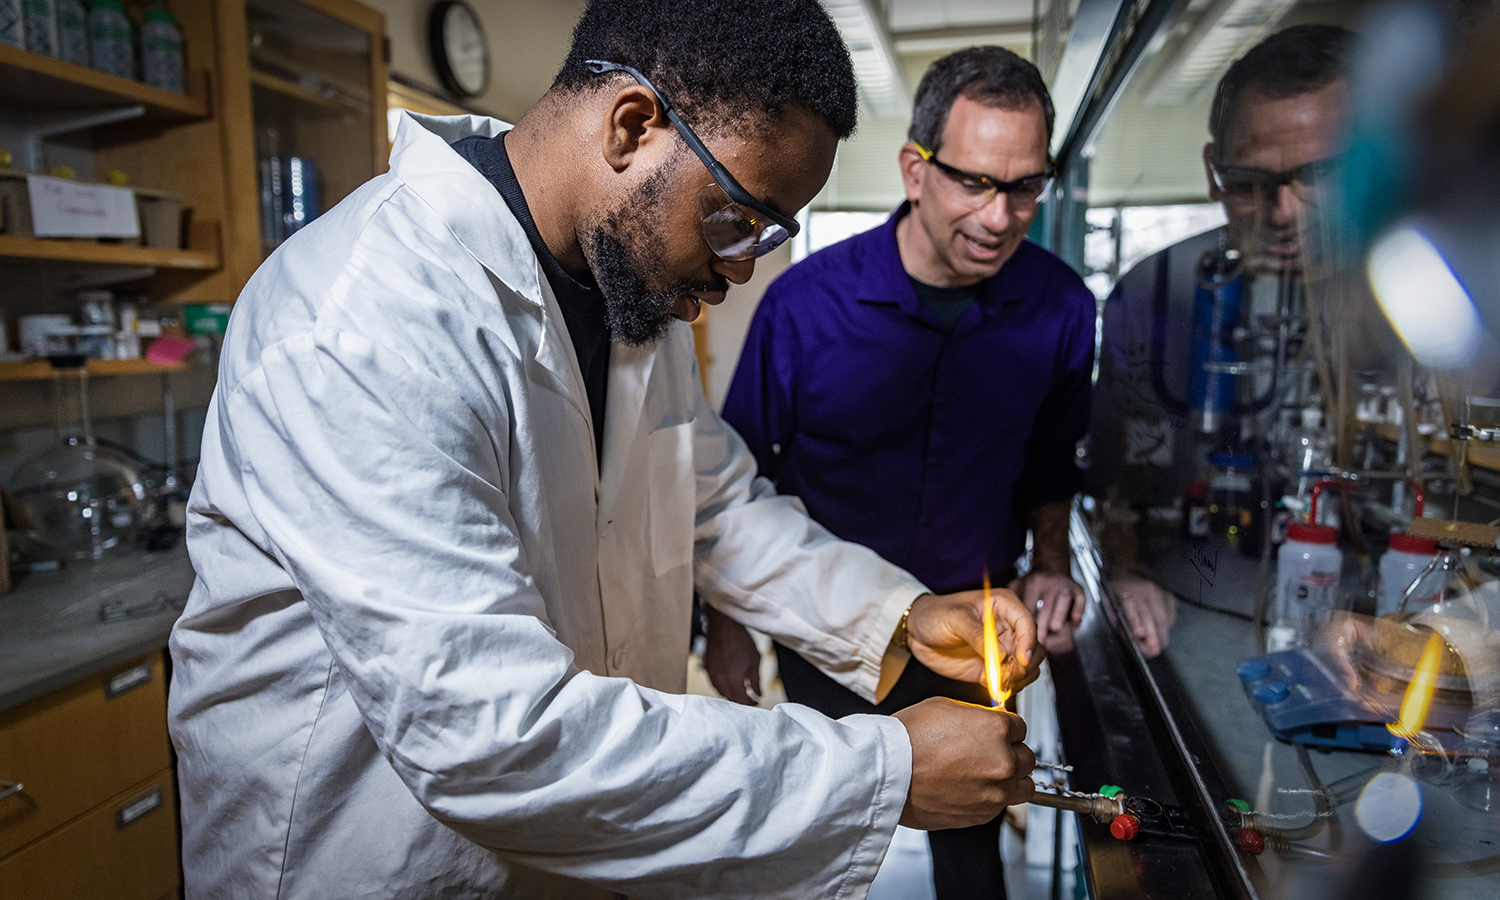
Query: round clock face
x=459 y=50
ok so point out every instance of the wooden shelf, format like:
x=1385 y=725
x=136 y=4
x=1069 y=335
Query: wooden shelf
x=33 y=81
x=1481 y=453
x=41 y=370
x=267 y=60
x=106 y=254
x=289 y=88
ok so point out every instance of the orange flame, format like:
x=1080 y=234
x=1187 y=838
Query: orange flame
x=1418 y=697
x=993 y=676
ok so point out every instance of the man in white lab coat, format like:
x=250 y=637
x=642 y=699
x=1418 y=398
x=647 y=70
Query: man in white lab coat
x=459 y=481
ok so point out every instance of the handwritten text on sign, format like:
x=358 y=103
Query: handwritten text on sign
x=63 y=208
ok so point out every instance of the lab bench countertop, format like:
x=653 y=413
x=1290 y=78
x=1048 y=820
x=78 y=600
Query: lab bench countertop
x=1213 y=634
x=52 y=632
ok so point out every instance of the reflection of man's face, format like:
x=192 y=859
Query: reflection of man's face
x=1276 y=135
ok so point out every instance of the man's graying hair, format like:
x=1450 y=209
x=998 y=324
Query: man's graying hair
x=1292 y=62
x=992 y=76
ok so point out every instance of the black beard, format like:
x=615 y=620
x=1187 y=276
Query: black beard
x=636 y=315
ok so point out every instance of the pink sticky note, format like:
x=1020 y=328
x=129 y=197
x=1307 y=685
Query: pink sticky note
x=169 y=350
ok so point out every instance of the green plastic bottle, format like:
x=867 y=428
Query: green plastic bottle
x=161 y=50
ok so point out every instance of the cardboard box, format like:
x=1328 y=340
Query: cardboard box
x=15 y=204
x=161 y=219
x=161 y=214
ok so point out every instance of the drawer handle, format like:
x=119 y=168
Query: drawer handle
x=10 y=788
x=138 y=807
x=133 y=677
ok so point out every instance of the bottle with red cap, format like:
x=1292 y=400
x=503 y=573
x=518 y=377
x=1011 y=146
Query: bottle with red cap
x=1308 y=568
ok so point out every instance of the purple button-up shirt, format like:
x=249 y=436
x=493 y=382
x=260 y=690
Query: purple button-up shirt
x=929 y=448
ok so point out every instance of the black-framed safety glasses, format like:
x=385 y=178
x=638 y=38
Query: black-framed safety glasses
x=736 y=225
x=975 y=191
x=1248 y=182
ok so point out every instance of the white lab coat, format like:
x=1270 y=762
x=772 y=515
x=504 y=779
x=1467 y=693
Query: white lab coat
x=432 y=652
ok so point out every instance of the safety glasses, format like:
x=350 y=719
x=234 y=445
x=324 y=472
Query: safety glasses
x=1250 y=183
x=736 y=225
x=975 y=191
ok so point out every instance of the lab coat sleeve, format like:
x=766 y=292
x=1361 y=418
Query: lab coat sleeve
x=374 y=486
x=761 y=560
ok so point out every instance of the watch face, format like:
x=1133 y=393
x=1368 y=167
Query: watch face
x=459 y=50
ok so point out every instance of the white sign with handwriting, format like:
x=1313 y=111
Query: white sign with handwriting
x=64 y=208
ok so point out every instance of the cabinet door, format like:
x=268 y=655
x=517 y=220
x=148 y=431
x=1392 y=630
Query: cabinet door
x=77 y=747
x=318 y=109
x=124 y=850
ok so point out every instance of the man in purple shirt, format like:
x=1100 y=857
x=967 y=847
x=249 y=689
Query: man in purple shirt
x=922 y=387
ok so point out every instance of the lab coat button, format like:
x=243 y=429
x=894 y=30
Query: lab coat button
x=619 y=658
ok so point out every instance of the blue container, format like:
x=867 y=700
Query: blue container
x=1216 y=314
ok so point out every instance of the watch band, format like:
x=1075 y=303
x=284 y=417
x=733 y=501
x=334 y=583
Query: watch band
x=899 y=639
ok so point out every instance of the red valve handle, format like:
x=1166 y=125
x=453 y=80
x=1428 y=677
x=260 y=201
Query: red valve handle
x=1125 y=827
x=1250 y=841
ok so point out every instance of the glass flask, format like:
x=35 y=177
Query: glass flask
x=1454 y=609
x=83 y=501
x=1477 y=782
x=1462 y=612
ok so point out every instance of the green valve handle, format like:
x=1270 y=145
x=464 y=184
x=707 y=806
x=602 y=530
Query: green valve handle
x=1111 y=791
x=1240 y=805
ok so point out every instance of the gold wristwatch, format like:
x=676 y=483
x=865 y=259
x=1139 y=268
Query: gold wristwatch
x=898 y=640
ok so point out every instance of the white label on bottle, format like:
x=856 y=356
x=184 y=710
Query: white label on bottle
x=64 y=208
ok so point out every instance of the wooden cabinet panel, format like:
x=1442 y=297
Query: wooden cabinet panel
x=124 y=850
x=79 y=746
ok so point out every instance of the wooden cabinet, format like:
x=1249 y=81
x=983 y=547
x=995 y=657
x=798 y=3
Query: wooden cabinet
x=157 y=139
x=54 y=113
x=94 y=815
x=96 y=857
x=305 y=82
x=266 y=79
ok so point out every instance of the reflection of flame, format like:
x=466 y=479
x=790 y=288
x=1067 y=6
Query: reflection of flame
x=1419 y=693
x=992 y=657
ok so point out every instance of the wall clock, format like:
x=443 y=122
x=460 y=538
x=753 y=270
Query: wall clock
x=459 y=51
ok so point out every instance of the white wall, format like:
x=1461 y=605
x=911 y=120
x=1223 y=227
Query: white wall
x=528 y=42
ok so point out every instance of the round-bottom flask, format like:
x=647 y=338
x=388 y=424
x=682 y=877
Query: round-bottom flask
x=81 y=500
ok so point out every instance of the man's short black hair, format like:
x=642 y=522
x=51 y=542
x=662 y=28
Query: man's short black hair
x=993 y=76
x=1296 y=61
x=719 y=60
